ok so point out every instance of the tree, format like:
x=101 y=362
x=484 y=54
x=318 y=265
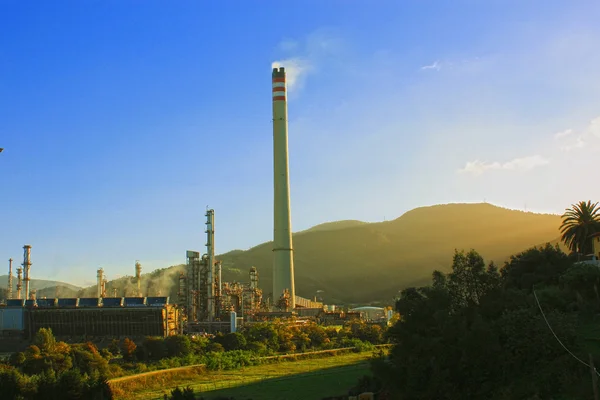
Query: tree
x=155 y=347
x=178 y=345
x=535 y=266
x=578 y=224
x=128 y=349
x=478 y=334
x=232 y=341
x=470 y=280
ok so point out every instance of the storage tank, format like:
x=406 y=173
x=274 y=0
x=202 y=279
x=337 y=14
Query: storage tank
x=233 y=321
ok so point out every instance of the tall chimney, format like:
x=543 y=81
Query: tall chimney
x=10 y=279
x=138 y=276
x=19 y=282
x=100 y=277
x=283 y=257
x=27 y=268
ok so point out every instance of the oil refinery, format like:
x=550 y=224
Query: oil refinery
x=204 y=303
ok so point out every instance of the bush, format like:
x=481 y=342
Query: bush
x=185 y=394
x=215 y=347
x=178 y=346
x=156 y=348
x=232 y=341
x=10 y=382
x=114 y=347
x=128 y=349
x=17 y=359
x=258 y=348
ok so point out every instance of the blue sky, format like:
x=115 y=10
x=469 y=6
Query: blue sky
x=122 y=120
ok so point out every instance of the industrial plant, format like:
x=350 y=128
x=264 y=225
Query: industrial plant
x=204 y=303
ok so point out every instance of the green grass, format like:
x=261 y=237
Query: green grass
x=309 y=385
x=313 y=378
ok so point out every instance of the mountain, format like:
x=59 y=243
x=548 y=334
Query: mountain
x=360 y=262
x=37 y=284
x=335 y=225
x=44 y=288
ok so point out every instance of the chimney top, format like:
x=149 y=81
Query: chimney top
x=279 y=73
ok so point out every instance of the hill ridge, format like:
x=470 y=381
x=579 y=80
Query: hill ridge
x=369 y=262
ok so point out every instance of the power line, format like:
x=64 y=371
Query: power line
x=558 y=340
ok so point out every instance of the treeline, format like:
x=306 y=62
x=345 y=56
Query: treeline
x=479 y=333
x=50 y=369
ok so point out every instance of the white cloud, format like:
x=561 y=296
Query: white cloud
x=521 y=164
x=586 y=138
x=436 y=65
x=562 y=134
x=594 y=127
x=579 y=143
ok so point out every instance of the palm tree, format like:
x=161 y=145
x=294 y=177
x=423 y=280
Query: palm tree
x=578 y=224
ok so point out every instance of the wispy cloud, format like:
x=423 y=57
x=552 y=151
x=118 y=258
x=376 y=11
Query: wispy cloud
x=562 y=134
x=593 y=128
x=587 y=136
x=436 y=66
x=579 y=143
x=304 y=56
x=584 y=138
x=518 y=164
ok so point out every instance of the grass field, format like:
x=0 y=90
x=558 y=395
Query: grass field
x=307 y=379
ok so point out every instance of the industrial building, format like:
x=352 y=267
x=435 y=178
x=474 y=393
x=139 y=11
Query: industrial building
x=90 y=318
x=204 y=301
x=22 y=315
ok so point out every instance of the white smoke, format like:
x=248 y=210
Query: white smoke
x=296 y=70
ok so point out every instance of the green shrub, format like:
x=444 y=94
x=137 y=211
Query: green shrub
x=185 y=394
x=156 y=348
x=178 y=346
x=215 y=347
x=258 y=348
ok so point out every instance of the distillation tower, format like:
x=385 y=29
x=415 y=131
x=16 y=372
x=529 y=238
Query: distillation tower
x=100 y=284
x=138 y=277
x=10 y=279
x=19 y=282
x=200 y=287
x=26 y=268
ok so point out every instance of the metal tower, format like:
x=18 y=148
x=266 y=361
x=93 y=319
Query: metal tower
x=10 y=279
x=27 y=268
x=138 y=277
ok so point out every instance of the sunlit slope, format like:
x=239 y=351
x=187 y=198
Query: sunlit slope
x=38 y=284
x=366 y=262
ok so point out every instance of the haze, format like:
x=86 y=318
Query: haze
x=121 y=121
